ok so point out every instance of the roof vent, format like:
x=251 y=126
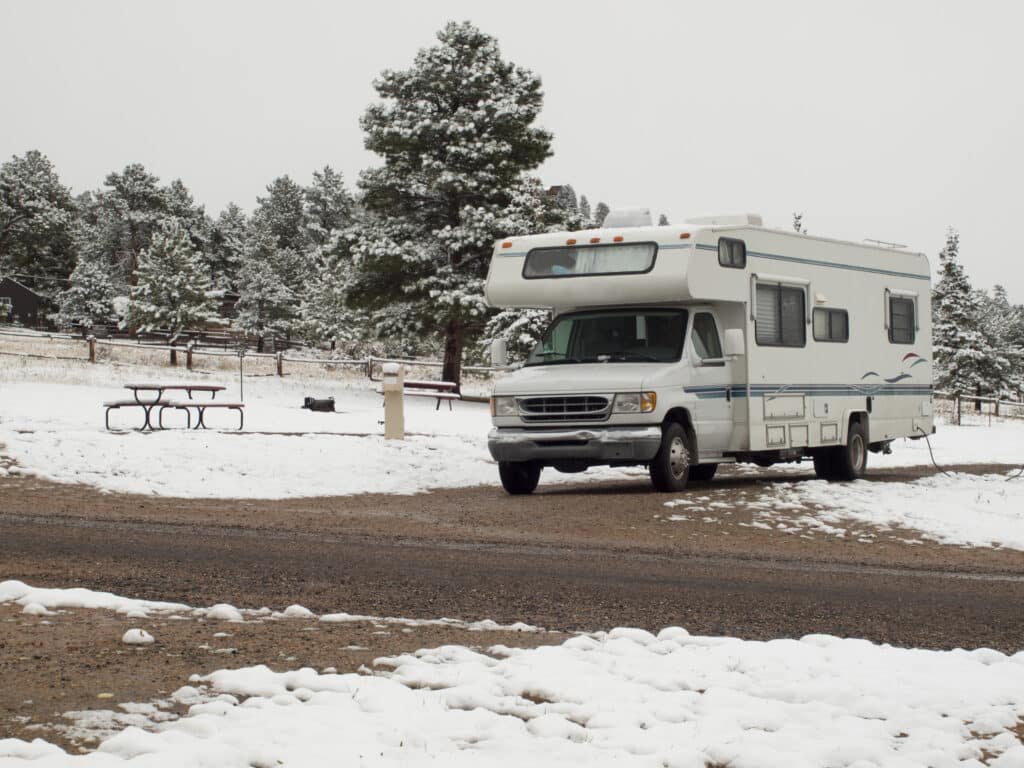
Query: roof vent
x=730 y=220
x=627 y=217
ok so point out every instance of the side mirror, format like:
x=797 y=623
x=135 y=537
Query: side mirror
x=734 y=342
x=499 y=353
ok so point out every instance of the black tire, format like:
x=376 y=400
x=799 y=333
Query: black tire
x=519 y=477
x=670 y=468
x=702 y=473
x=824 y=464
x=844 y=462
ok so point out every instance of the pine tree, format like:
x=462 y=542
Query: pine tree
x=227 y=243
x=455 y=132
x=328 y=206
x=172 y=289
x=663 y=220
x=282 y=211
x=958 y=347
x=998 y=321
x=325 y=313
x=798 y=223
x=180 y=204
x=566 y=199
x=266 y=306
x=89 y=299
x=132 y=207
x=600 y=213
x=37 y=217
x=585 y=211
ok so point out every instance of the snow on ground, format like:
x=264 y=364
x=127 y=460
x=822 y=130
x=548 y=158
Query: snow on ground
x=624 y=697
x=955 y=508
x=41 y=601
x=51 y=426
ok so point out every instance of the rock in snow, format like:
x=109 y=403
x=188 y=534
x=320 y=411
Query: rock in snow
x=137 y=637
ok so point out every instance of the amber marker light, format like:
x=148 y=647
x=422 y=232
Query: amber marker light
x=571 y=241
x=617 y=239
x=507 y=244
x=595 y=240
x=684 y=235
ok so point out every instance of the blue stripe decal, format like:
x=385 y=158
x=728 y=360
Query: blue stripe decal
x=820 y=390
x=817 y=263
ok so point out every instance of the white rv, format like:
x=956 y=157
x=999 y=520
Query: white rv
x=685 y=347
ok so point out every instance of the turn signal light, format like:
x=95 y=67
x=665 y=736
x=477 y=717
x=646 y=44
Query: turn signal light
x=507 y=244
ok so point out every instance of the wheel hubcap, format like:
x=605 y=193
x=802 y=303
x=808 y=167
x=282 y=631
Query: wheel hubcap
x=678 y=458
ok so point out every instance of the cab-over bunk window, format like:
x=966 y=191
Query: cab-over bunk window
x=780 y=319
x=577 y=261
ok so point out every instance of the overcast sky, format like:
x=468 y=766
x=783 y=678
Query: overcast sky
x=889 y=120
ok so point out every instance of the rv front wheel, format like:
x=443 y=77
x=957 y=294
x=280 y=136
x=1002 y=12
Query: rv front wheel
x=670 y=468
x=519 y=477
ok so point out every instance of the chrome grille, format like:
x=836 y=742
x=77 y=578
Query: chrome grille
x=564 y=408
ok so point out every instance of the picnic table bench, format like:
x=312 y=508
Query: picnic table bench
x=159 y=404
x=440 y=390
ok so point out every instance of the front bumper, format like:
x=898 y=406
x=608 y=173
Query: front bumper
x=638 y=444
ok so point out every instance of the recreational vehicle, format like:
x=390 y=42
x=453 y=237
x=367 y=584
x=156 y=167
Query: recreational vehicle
x=718 y=341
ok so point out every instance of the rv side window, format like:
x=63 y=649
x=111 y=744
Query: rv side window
x=705 y=337
x=780 y=316
x=831 y=325
x=732 y=253
x=577 y=261
x=901 y=320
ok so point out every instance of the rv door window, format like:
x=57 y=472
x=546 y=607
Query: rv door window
x=780 y=317
x=615 y=336
x=732 y=253
x=901 y=320
x=705 y=337
x=831 y=324
x=583 y=260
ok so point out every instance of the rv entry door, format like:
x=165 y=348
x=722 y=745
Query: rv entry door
x=712 y=384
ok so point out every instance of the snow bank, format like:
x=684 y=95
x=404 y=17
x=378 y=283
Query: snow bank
x=622 y=697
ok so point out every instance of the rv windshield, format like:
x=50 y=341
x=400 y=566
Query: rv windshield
x=615 y=336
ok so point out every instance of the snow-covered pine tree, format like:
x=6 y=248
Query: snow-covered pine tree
x=566 y=198
x=132 y=207
x=958 y=347
x=282 y=211
x=89 y=299
x=328 y=206
x=456 y=134
x=798 y=223
x=227 y=243
x=600 y=212
x=172 y=289
x=266 y=306
x=324 y=311
x=585 y=211
x=997 y=321
x=37 y=217
x=663 y=220
x=181 y=205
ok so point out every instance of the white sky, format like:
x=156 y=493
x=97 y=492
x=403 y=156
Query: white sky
x=888 y=119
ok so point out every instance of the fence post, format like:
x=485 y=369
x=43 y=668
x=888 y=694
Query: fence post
x=91 y=340
x=958 y=409
x=280 y=363
x=369 y=367
x=188 y=355
x=174 y=355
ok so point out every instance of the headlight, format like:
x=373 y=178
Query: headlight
x=635 y=402
x=504 y=406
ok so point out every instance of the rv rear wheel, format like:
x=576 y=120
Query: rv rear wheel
x=844 y=462
x=702 y=473
x=670 y=468
x=519 y=477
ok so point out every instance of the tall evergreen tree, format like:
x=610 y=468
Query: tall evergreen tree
x=266 y=306
x=600 y=213
x=282 y=211
x=663 y=220
x=328 y=206
x=585 y=211
x=173 y=289
x=89 y=299
x=227 y=244
x=181 y=205
x=998 y=320
x=958 y=347
x=132 y=206
x=456 y=134
x=37 y=217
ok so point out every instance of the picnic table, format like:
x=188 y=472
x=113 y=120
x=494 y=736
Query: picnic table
x=149 y=404
x=439 y=390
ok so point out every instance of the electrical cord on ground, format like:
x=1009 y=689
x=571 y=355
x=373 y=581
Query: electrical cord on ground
x=1020 y=470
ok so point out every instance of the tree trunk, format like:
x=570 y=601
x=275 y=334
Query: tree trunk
x=977 y=403
x=452 y=370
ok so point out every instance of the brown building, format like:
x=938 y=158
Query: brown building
x=18 y=304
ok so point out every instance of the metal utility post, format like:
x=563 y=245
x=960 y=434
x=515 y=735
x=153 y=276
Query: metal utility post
x=241 y=388
x=394 y=406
